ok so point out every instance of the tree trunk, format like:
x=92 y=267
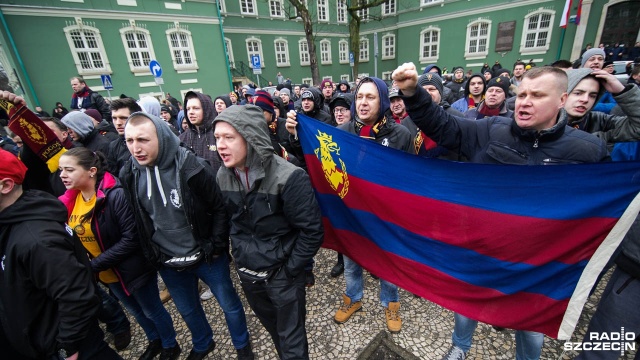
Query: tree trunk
x=313 y=58
x=354 y=40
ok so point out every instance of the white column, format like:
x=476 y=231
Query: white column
x=578 y=39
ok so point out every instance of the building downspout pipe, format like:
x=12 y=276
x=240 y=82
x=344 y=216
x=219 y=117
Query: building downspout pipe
x=224 y=46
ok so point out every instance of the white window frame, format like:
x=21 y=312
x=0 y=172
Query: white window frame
x=295 y=11
x=345 y=77
x=525 y=32
x=250 y=5
x=276 y=5
x=140 y=51
x=429 y=59
x=391 y=53
x=222 y=7
x=364 y=14
x=77 y=53
x=343 y=51
x=363 y=75
x=430 y=2
x=389 y=8
x=468 y=55
x=363 y=48
x=229 y=49
x=341 y=11
x=325 y=52
x=284 y=52
x=386 y=75
x=303 y=49
x=189 y=48
x=330 y=78
x=308 y=81
x=253 y=52
x=322 y=8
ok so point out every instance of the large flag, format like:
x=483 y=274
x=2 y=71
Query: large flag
x=565 y=14
x=513 y=246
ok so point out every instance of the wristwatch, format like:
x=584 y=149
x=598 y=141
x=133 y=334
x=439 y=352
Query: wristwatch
x=62 y=353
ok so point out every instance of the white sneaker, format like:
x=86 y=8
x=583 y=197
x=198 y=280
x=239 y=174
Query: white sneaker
x=454 y=353
x=206 y=295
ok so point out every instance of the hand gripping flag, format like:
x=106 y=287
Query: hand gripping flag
x=513 y=246
x=34 y=133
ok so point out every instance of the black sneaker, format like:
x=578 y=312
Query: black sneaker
x=337 y=269
x=122 y=340
x=309 y=278
x=194 y=355
x=246 y=353
x=153 y=349
x=171 y=353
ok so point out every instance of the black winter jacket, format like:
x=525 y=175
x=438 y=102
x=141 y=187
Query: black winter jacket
x=114 y=227
x=498 y=140
x=47 y=293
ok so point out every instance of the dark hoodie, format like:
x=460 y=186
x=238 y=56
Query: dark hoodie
x=200 y=139
x=462 y=104
x=47 y=291
x=343 y=82
x=318 y=103
x=384 y=131
x=176 y=203
x=225 y=98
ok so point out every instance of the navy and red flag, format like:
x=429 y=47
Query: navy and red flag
x=513 y=246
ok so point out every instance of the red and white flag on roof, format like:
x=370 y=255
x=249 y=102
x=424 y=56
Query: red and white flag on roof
x=565 y=14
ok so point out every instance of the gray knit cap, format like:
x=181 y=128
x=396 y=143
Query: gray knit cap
x=574 y=77
x=589 y=53
x=79 y=122
x=431 y=79
x=285 y=91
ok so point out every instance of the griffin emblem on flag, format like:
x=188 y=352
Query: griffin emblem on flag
x=337 y=178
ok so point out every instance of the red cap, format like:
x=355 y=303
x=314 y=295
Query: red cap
x=11 y=167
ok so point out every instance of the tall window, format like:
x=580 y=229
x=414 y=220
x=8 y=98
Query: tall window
x=303 y=48
x=181 y=47
x=364 y=50
x=87 y=49
x=254 y=47
x=325 y=52
x=344 y=77
x=388 y=47
x=389 y=8
x=364 y=14
x=275 y=8
x=430 y=2
x=282 y=52
x=221 y=6
x=536 y=34
x=343 y=51
x=429 y=44
x=139 y=49
x=342 y=11
x=323 y=10
x=478 y=39
x=248 y=7
x=229 y=49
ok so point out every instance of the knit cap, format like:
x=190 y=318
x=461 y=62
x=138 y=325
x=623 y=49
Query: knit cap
x=95 y=114
x=591 y=52
x=501 y=82
x=79 y=122
x=285 y=91
x=250 y=92
x=326 y=82
x=431 y=79
x=264 y=101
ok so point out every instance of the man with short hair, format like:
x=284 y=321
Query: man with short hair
x=369 y=122
x=41 y=113
x=183 y=228
x=118 y=155
x=457 y=84
x=494 y=103
x=296 y=93
x=473 y=94
x=537 y=135
x=326 y=86
x=518 y=72
x=104 y=128
x=283 y=214
x=85 y=98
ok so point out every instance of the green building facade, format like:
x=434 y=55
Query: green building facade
x=45 y=42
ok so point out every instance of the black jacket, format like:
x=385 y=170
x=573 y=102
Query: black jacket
x=96 y=142
x=47 y=293
x=114 y=226
x=498 y=140
x=118 y=155
x=203 y=206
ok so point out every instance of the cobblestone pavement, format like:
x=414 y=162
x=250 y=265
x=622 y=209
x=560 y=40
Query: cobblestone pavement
x=426 y=329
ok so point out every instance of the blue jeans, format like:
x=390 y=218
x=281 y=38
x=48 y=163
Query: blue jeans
x=528 y=343
x=111 y=313
x=183 y=286
x=145 y=306
x=355 y=284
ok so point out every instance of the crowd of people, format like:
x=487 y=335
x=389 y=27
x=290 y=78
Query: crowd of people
x=98 y=202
